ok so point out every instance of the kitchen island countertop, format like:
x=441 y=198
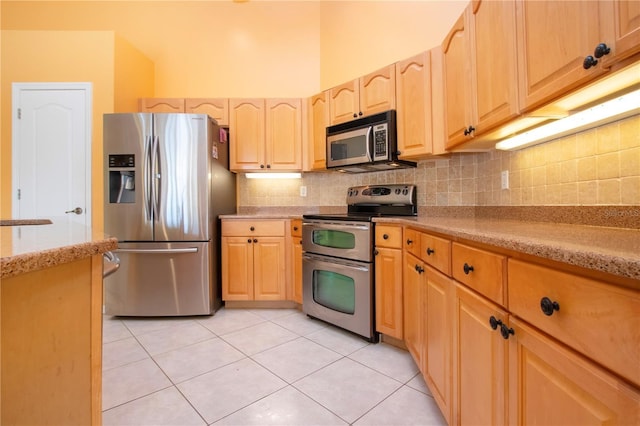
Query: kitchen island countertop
x=26 y=248
x=610 y=250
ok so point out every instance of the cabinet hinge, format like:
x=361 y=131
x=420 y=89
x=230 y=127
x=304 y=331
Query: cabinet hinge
x=19 y=113
x=19 y=194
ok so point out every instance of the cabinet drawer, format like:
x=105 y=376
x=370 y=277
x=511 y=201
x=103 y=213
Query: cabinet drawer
x=296 y=228
x=265 y=228
x=600 y=320
x=436 y=252
x=483 y=271
x=411 y=241
x=389 y=236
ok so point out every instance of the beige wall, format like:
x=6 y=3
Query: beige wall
x=98 y=57
x=596 y=167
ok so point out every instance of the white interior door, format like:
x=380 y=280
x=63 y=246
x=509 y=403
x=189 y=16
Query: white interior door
x=52 y=151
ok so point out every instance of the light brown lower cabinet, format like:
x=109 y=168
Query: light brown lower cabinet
x=552 y=385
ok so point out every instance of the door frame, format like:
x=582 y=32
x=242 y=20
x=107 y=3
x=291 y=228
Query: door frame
x=87 y=88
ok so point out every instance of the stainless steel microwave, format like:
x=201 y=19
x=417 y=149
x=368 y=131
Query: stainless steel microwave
x=365 y=145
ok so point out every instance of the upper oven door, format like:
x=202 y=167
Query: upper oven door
x=349 y=147
x=345 y=239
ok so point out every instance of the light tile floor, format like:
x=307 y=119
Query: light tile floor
x=256 y=367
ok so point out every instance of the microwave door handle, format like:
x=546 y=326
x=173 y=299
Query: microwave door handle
x=370 y=148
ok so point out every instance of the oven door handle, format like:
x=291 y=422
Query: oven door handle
x=336 y=226
x=334 y=261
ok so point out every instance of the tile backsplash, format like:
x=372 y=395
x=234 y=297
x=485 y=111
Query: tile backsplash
x=596 y=167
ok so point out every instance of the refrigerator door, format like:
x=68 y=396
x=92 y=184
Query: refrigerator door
x=160 y=279
x=181 y=157
x=127 y=190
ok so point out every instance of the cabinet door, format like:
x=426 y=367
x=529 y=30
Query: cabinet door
x=413 y=105
x=493 y=60
x=318 y=122
x=627 y=27
x=269 y=268
x=551 y=385
x=237 y=268
x=161 y=105
x=378 y=91
x=438 y=337
x=247 y=133
x=283 y=134
x=413 y=307
x=216 y=108
x=389 y=292
x=480 y=361
x=551 y=66
x=457 y=90
x=344 y=102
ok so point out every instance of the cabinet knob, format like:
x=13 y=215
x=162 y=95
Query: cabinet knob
x=469 y=130
x=253 y=228
x=409 y=241
x=548 y=306
x=385 y=236
x=506 y=331
x=262 y=166
x=494 y=322
x=355 y=115
x=360 y=113
x=268 y=166
x=295 y=228
x=589 y=62
x=376 y=252
x=419 y=269
x=249 y=240
x=430 y=251
x=601 y=50
x=255 y=240
x=467 y=268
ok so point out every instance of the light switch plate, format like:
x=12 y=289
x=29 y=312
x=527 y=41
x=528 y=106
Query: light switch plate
x=504 y=179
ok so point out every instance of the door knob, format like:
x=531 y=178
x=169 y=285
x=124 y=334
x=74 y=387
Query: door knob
x=77 y=210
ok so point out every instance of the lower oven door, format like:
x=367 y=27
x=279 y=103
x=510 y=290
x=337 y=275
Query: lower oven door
x=340 y=292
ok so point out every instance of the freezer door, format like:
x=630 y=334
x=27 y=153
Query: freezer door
x=127 y=175
x=160 y=279
x=182 y=148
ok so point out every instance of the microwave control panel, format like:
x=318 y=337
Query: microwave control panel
x=380 y=142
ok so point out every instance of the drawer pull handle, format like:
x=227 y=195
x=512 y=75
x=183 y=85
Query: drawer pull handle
x=430 y=251
x=548 y=306
x=295 y=228
x=409 y=241
x=419 y=269
x=252 y=228
x=467 y=268
x=385 y=236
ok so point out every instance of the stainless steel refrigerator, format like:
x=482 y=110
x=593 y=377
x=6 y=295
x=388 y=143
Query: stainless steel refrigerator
x=166 y=181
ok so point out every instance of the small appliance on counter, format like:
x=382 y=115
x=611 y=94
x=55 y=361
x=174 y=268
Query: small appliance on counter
x=338 y=274
x=167 y=180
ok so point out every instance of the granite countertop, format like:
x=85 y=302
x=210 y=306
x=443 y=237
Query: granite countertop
x=607 y=249
x=260 y=216
x=26 y=248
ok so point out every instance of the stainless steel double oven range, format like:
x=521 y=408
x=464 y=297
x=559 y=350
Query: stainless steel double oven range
x=338 y=263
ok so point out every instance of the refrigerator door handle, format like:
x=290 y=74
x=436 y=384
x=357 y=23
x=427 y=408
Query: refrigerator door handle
x=158 y=251
x=156 y=175
x=148 y=172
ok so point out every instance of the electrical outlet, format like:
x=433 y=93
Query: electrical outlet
x=504 y=179
x=303 y=191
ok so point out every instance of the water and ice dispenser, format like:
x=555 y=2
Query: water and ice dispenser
x=122 y=178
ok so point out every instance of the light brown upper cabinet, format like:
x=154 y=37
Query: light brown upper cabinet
x=161 y=105
x=414 y=107
x=216 y=108
x=480 y=72
x=370 y=94
x=626 y=16
x=557 y=42
x=318 y=121
x=266 y=135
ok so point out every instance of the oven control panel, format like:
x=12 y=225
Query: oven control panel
x=382 y=194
